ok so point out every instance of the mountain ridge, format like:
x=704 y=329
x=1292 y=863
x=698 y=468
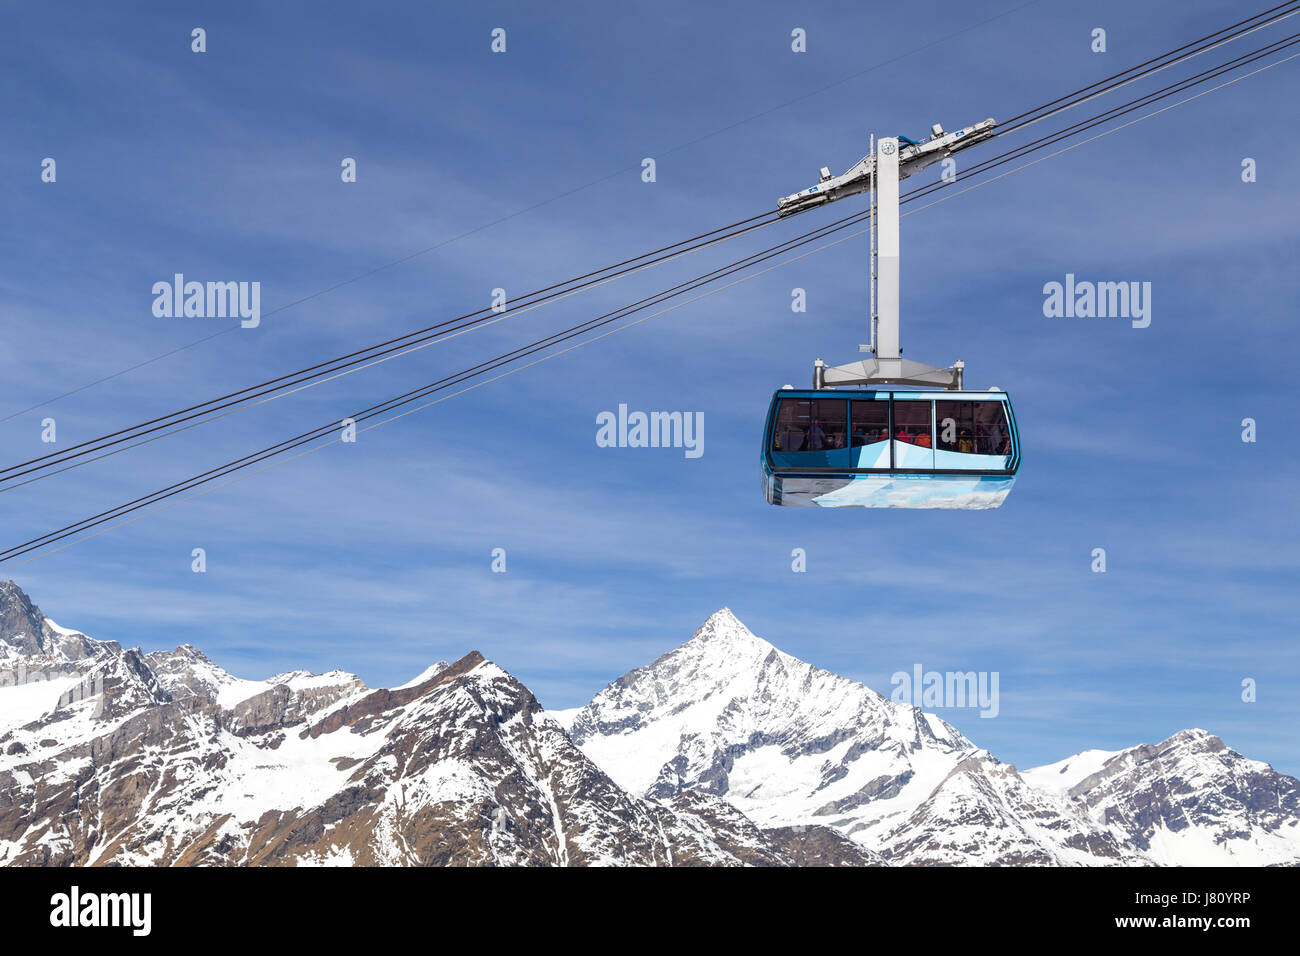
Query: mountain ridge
x=722 y=751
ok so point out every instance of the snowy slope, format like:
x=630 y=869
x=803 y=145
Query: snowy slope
x=424 y=675
x=1061 y=776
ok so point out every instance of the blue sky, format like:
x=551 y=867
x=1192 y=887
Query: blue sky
x=376 y=557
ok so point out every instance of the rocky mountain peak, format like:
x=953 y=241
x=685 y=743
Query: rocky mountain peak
x=723 y=630
x=1195 y=738
x=22 y=625
x=27 y=633
x=720 y=654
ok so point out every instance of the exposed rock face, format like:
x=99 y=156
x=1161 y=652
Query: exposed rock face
x=822 y=846
x=21 y=622
x=260 y=713
x=789 y=744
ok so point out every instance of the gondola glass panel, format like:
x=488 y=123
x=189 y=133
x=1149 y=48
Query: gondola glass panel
x=812 y=433
x=971 y=436
x=869 y=426
x=913 y=435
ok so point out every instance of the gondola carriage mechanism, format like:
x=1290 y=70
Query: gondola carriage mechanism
x=888 y=432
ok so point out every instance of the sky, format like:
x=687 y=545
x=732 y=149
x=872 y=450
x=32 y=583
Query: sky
x=479 y=170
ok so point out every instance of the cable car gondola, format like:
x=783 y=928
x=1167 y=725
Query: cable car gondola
x=890 y=449
x=888 y=432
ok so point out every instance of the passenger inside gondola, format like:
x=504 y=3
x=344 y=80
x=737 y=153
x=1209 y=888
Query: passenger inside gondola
x=866 y=435
x=827 y=435
x=972 y=428
x=870 y=422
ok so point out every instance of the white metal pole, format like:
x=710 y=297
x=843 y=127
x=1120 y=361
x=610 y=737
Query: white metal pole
x=888 y=345
x=871 y=261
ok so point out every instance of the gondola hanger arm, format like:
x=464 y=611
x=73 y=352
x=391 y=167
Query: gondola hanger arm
x=912 y=158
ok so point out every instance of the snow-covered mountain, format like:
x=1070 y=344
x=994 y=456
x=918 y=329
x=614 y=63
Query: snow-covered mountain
x=725 y=751
x=111 y=756
x=790 y=744
x=1189 y=800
